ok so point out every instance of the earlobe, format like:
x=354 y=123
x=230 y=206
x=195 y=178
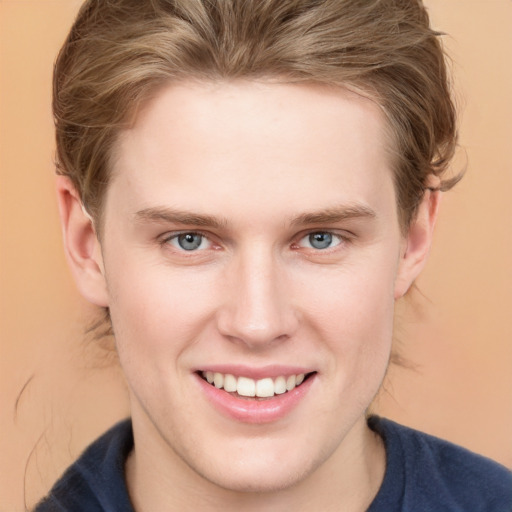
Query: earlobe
x=417 y=242
x=81 y=244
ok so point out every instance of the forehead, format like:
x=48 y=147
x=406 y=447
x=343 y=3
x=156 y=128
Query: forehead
x=217 y=145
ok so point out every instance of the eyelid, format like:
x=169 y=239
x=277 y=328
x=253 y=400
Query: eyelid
x=343 y=237
x=167 y=237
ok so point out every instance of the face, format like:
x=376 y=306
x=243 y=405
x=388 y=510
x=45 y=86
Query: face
x=251 y=246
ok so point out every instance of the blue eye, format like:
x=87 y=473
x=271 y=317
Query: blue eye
x=189 y=241
x=320 y=240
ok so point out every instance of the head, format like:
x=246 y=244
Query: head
x=118 y=54
x=260 y=182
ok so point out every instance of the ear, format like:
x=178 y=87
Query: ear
x=417 y=242
x=81 y=244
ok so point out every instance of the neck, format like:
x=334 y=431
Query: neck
x=348 y=480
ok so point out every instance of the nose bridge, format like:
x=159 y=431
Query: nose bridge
x=258 y=310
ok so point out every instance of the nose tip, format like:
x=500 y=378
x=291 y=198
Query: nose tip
x=255 y=338
x=258 y=309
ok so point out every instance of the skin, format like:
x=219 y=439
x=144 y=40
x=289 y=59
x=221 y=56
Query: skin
x=260 y=166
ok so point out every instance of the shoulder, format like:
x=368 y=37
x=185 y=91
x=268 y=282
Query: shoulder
x=95 y=482
x=436 y=473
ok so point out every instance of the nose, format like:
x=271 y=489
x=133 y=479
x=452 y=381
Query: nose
x=258 y=308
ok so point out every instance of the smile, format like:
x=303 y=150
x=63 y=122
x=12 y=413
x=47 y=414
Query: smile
x=247 y=387
x=268 y=395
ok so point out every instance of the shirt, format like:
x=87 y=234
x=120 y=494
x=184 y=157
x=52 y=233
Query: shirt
x=423 y=474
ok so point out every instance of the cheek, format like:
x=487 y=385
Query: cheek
x=156 y=308
x=354 y=298
x=352 y=310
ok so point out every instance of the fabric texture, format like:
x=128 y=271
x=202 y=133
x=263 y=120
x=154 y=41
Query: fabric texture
x=423 y=474
x=95 y=482
x=427 y=474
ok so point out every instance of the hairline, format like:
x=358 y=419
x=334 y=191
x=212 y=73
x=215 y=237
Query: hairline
x=138 y=106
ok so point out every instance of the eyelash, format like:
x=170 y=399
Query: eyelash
x=175 y=236
x=342 y=239
x=332 y=237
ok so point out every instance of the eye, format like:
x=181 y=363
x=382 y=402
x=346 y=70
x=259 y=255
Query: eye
x=320 y=240
x=188 y=241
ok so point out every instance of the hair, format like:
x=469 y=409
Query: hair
x=119 y=52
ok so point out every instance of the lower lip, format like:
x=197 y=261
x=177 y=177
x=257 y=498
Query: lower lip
x=254 y=410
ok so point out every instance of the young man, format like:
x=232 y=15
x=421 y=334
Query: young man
x=247 y=188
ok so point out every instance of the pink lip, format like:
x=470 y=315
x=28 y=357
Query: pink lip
x=253 y=410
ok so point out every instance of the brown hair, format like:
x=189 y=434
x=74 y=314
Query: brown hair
x=119 y=51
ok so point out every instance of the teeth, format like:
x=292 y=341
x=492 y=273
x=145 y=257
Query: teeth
x=218 y=380
x=265 y=387
x=245 y=386
x=280 y=386
x=230 y=383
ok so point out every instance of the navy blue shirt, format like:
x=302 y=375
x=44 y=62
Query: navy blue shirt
x=423 y=474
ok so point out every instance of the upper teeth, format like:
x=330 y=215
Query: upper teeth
x=245 y=386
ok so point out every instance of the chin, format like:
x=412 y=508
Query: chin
x=248 y=475
x=267 y=483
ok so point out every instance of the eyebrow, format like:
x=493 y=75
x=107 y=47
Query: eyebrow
x=335 y=214
x=326 y=216
x=170 y=215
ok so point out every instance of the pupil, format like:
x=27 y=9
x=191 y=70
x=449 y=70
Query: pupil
x=189 y=241
x=320 y=240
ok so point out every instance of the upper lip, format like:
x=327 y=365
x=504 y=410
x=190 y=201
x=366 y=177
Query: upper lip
x=252 y=372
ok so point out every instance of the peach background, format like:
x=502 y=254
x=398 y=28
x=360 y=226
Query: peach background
x=458 y=332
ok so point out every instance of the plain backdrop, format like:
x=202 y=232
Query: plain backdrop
x=59 y=389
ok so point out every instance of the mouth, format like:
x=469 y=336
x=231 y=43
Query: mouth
x=254 y=389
